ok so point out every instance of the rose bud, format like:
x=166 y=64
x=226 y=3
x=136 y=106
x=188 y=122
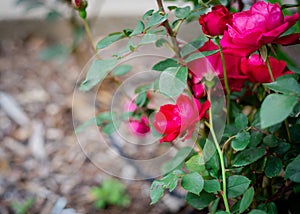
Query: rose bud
x=79 y=4
x=215 y=22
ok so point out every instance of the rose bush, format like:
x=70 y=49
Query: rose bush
x=251 y=164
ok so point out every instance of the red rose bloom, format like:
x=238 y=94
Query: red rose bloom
x=139 y=127
x=262 y=24
x=213 y=64
x=198 y=90
x=173 y=120
x=215 y=22
x=257 y=71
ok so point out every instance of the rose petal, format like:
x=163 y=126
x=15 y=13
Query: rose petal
x=291 y=39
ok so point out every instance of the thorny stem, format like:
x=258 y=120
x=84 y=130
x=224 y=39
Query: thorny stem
x=167 y=25
x=224 y=190
x=89 y=35
x=225 y=81
x=289 y=6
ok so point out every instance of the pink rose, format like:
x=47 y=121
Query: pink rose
x=174 y=120
x=257 y=71
x=79 y=4
x=215 y=22
x=139 y=127
x=262 y=24
x=213 y=63
x=198 y=90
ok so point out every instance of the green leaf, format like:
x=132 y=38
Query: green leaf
x=194 y=15
x=276 y=108
x=84 y=125
x=130 y=47
x=272 y=208
x=270 y=141
x=286 y=85
x=110 y=39
x=160 y=42
x=182 y=13
x=142 y=88
x=212 y=186
x=156 y=19
x=221 y=212
x=148 y=39
x=22 y=207
x=181 y=155
x=255 y=211
x=241 y=122
x=200 y=55
x=163 y=65
x=237 y=185
x=209 y=150
x=196 y=164
x=121 y=70
x=292 y=171
x=156 y=191
x=213 y=165
x=172 y=81
x=109 y=128
x=97 y=72
x=273 y=167
x=170 y=181
x=193 y=46
x=282 y=148
x=147 y=14
x=248 y=156
x=98 y=120
x=256 y=137
x=199 y=201
x=105 y=116
x=141 y=99
x=193 y=183
x=214 y=206
x=171 y=7
x=246 y=200
x=241 y=141
x=139 y=28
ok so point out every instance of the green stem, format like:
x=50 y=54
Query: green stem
x=270 y=69
x=224 y=188
x=289 y=6
x=89 y=35
x=225 y=81
x=171 y=32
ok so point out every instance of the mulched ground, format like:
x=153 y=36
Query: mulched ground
x=40 y=157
